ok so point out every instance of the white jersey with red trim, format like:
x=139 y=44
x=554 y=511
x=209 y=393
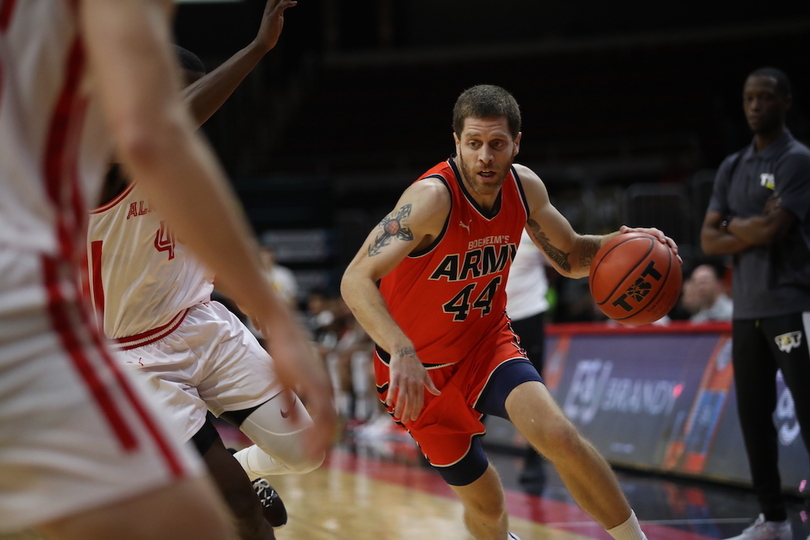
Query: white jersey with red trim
x=140 y=276
x=76 y=432
x=53 y=143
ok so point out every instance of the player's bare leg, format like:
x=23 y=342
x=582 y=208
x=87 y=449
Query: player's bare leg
x=190 y=510
x=584 y=471
x=484 y=508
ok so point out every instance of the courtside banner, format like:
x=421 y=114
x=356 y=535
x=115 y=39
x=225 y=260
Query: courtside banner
x=660 y=398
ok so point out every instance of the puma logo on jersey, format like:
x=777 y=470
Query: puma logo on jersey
x=789 y=341
x=139 y=208
x=766 y=180
x=464 y=225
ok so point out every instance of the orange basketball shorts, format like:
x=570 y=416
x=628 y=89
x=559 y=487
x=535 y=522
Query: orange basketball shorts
x=448 y=422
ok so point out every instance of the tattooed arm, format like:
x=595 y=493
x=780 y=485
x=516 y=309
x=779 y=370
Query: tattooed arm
x=572 y=260
x=569 y=252
x=415 y=222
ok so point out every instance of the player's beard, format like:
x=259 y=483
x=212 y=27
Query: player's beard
x=474 y=182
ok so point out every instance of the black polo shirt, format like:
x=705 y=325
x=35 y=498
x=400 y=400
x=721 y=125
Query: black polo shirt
x=774 y=279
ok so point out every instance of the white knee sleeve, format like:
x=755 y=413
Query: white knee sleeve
x=279 y=438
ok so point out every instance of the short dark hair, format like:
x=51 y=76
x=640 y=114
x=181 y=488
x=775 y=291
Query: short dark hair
x=486 y=101
x=188 y=60
x=782 y=81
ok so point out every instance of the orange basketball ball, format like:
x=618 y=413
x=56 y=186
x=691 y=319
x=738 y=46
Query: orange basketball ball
x=635 y=279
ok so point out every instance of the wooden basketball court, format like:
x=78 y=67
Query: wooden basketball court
x=362 y=495
x=366 y=498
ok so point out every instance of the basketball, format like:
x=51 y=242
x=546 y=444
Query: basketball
x=635 y=279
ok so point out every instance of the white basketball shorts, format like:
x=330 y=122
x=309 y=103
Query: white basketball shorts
x=75 y=431
x=205 y=359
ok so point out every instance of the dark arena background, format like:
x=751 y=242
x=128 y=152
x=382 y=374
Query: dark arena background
x=627 y=109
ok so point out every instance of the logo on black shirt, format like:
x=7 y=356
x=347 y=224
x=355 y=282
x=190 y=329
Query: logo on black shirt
x=766 y=180
x=789 y=341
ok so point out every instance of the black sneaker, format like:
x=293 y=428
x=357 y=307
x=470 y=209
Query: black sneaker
x=272 y=506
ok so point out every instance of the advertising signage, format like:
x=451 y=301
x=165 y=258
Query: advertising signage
x=661 y=398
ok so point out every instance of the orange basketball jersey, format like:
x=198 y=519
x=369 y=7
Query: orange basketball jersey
x=451 y=297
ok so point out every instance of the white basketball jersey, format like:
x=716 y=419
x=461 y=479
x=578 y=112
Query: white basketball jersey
x=53 y=145
x=140 y=276
x=527 y=286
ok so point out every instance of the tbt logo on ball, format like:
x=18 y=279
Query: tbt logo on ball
x=635 y=278
x=640 y=289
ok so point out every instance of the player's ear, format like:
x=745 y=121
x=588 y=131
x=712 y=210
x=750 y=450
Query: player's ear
x=457 y=142
x=517 y=144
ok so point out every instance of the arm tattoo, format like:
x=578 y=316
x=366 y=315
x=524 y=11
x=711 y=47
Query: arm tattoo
x=406 y=351
x=392 y=227
x=555 y=254
x=588 y=251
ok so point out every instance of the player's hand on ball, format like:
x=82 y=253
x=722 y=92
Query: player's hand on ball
x=624 y=229
x=635 y=277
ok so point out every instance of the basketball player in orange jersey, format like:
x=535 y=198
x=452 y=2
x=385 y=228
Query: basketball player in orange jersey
x=153 y=299
x=82 y=455
x=446 y=354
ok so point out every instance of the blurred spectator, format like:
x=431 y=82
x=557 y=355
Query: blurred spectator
x=349 y=364
x=704 y=296
x=320 y=319
x=281 y=277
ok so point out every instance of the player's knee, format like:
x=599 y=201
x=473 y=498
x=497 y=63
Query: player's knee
x=491 y=511
x=561 y=440
x=304 y=462
x=292 y=454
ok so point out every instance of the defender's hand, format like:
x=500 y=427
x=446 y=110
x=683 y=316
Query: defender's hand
x=273 y=22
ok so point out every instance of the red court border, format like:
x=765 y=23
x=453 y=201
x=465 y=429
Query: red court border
x=614 y=328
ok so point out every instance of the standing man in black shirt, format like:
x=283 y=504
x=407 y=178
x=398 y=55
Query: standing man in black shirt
x=760 y=213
